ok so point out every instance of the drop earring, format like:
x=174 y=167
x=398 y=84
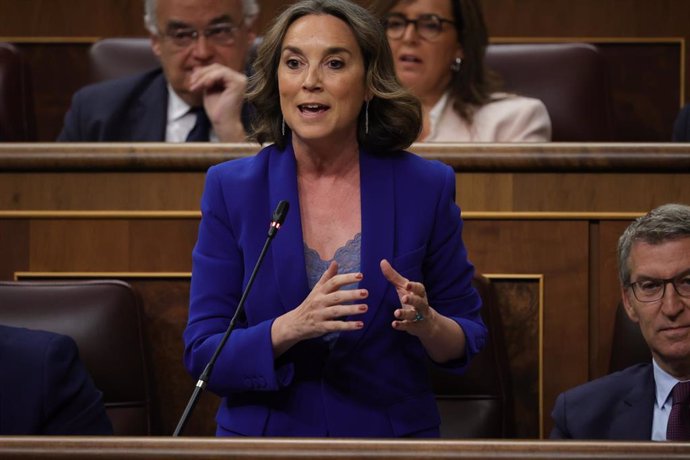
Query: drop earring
x=283 y=127
x=366 y=118
x=455 y=66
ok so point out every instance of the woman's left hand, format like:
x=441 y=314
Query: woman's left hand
x=415 y=316
x=442 y=337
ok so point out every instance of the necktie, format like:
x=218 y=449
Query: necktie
x=201 y=129
x=679 y=419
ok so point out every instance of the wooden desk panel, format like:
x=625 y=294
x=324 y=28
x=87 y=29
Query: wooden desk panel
x=490 y=177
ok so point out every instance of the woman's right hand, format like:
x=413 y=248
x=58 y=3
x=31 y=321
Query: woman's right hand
x=323 y=311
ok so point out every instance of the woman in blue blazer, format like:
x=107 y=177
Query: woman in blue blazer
x=368 y=277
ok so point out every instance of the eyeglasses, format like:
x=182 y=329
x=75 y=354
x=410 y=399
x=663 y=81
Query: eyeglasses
x=218 y=34
x=652 y=290
x=428 y=26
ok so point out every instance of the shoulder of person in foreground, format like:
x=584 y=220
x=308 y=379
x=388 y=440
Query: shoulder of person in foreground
x=588 y=410
x=514 y=118
x=681 y=126
x=45 y=388
x=107 y=101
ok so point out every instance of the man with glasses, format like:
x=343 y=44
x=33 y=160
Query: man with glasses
x=198 y=93
x=649 y=401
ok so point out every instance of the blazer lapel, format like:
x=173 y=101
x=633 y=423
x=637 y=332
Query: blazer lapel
x=633 y=419
x=150 y=117
x=378 y=233
x=287 y=248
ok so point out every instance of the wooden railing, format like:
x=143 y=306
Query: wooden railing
x=252 y=448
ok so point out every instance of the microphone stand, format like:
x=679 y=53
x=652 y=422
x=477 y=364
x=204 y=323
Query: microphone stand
x=277 y=220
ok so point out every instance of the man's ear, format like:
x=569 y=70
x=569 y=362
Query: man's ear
x=627 y=304
x=156 y=44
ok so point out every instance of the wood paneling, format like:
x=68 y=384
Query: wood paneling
x=14 y=246
x=490 y=177
x=71 y=18
x=522 y=320
x=603 y=308
x=166 y=306
x=536 y=247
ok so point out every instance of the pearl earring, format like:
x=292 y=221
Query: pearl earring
x=455 y=66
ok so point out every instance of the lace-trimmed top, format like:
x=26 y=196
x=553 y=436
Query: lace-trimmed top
x=347 y=256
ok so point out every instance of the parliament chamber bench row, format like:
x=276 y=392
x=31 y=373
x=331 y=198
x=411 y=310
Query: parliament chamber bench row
x=572 y=79
x=541 y=224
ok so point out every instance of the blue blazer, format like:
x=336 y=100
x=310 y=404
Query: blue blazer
x=619 y=406
x=681 y=127
x=373 y=382
x=45 y=389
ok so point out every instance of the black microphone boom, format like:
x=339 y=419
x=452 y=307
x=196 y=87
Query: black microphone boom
x=276 y=222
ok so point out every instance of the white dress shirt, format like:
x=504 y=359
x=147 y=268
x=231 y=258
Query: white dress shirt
x=180 y=119
x=663 y=402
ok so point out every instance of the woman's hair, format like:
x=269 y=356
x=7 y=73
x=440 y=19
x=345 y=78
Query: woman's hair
x=394 y=117
x=474 y=83
x=665 y=223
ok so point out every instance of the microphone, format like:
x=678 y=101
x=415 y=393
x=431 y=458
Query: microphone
x=276 y=222
x=278 y=217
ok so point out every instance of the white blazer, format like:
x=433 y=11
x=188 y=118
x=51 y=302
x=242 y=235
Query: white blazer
x=507 y=118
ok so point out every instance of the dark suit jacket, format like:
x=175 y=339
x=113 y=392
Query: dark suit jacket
x=681 y=127
x=373 y=382
x=129 y=109
x=619 y=406
x=44 y=388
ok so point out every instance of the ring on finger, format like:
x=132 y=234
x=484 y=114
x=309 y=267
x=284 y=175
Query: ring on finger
x=418 y=317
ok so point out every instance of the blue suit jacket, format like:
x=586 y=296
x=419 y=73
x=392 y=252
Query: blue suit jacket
x=44 y=388
x=373 y=382
x=681 y=127
x=619 y=406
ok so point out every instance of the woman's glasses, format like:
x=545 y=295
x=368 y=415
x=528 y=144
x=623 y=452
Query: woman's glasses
x=428 y=26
